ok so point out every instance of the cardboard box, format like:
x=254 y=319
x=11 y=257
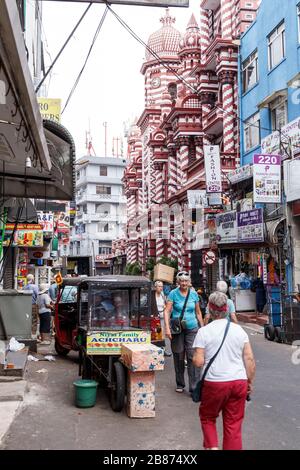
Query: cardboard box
x=164 y=273
x=141 y=395
x=142 y=357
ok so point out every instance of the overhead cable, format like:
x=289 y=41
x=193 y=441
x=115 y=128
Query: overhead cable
x=87 y=57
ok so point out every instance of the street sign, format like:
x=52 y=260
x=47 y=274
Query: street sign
x=145 y=3
x=209 y=257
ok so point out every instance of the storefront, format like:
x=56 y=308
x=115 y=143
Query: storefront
x=249 y=249
x=36 y=157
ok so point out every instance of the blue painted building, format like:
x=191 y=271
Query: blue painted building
x=269 y=99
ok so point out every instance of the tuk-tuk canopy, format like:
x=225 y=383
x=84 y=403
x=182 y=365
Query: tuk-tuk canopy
x=108 y=281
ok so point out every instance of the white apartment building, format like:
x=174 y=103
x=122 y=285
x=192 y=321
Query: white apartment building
x=101 y=208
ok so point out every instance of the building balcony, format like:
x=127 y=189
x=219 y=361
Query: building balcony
x=84 y=180
x=88 y=218
x=213 y=121
x=84 y=198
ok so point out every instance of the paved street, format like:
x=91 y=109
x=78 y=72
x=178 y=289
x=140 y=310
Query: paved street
x=49 y=420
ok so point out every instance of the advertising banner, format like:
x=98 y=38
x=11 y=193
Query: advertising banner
x=26 y=235
x=250 y=226
x=212 y=169
x=240 y=174
x=110 y=342
x=227 y=227
x=46 y=220
x=267 y=178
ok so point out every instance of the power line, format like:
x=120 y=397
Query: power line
x=62 y=49
x=86 y=59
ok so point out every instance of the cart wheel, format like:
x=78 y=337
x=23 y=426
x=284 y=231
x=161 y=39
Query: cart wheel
x=278 y=334
x=117 y=392
x=61 y=351
x=270 y=332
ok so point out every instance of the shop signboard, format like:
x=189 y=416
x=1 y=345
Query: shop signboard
x=40 y=254
x=63 y=222
x=213 y=168
x=277 y=142
x=240 y=174
x=197 y=199
x=250 y=226
x=227 y=227
x=50 y=108
x=267 y=178
x=26 y=235
x=271 y=143
x=291 y=179
x=110 y=342
x=46 y=220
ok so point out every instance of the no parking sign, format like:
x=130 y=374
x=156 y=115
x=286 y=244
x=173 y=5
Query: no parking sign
x=209 y=257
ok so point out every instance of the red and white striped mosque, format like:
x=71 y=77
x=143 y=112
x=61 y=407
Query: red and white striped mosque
x=165 y=145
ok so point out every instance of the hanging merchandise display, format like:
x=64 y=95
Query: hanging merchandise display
x=22 y=267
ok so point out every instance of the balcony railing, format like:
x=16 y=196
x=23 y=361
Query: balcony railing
x=80 y=199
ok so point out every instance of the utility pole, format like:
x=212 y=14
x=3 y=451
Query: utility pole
x=105 y=138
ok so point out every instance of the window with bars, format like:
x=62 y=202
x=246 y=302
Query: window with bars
x=250 y=71
x=102 y=189
x=276 y=46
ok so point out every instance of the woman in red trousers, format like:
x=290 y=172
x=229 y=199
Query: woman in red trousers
x=228 y=380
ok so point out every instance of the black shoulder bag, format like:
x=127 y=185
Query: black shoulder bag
x=175 y=323
x=196 y=394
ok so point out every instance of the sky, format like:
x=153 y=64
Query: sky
x=111 y=88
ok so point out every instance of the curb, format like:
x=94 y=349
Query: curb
x=259 y=329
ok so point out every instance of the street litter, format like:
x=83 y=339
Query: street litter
x=14 y=345
x=50 y=358
x=32 y=358
x=268 y=406
x=41 y=371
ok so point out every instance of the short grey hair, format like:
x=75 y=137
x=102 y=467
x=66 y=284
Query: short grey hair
x=158 y=284
x=222 y=287
x=218 y=299
x=30 y=277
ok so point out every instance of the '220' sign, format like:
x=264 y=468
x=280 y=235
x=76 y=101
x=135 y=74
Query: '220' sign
x=267 y=159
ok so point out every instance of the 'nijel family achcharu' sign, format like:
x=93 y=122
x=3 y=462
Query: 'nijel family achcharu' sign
x=110 y=342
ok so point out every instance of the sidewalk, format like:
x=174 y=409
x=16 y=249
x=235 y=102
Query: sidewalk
x=12 y=391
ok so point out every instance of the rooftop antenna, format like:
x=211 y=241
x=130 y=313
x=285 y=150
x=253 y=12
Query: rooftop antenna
x=105 y=138
x=88 y=142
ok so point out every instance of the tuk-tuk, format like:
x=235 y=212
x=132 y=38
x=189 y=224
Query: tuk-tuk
x=95 y=316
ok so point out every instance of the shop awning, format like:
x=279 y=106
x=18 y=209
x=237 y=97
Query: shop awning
x=22 y=137
x=272 y=230
x=57 y=184
x=265 y=103
x=36 y=157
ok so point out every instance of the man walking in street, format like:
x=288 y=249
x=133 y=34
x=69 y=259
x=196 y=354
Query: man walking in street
x=35 y=311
